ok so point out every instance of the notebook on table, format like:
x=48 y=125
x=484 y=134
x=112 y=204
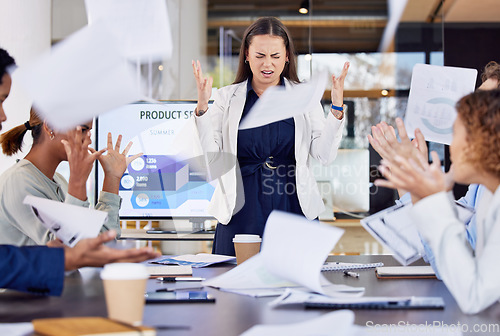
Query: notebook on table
x=87 y=326
x=405 y=272
x=342 y=266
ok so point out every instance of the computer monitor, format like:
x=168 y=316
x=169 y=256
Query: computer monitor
x=160 y=184
x=345 y=183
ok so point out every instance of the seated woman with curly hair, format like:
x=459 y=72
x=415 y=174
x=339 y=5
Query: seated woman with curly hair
x=472 y=277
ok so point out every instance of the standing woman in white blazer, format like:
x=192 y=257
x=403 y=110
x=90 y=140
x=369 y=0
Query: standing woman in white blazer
x=471 y=276
x=273 y=159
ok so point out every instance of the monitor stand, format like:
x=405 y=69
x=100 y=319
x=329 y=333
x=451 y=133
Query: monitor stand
x=197 y=226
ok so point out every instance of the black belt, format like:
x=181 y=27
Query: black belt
x=248 y=167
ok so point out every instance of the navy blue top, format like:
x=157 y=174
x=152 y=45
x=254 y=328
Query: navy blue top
x=266 y=188
x=32 y=269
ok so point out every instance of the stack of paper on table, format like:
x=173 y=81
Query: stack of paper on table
x=340 y=323
x=195 y=261
x=280 y=264
x=166 y=270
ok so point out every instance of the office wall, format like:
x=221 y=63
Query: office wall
x=470 y=45
x=24 y=33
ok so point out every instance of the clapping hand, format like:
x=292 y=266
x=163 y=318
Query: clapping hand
x=420 y=179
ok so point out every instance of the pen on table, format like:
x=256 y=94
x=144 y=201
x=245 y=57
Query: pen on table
x=178 y=289
x=178 y=279
x=351 y=274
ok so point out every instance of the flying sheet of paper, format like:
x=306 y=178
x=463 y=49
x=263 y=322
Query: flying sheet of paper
x=17 y=329
x=68 y=222
x=434 y=92
x=278 y=103
x=283 y=233
x=281 y=264
x=141 y=27
x=81 y=77
x=337 y=323
x=405 y=330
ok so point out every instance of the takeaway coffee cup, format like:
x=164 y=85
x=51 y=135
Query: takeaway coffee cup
x=246 y=246
x=124 y=287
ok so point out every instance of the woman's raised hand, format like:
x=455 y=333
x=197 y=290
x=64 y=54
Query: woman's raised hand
x=81 y=160
x=204 y=86
x=115 y=163
x=338 y=86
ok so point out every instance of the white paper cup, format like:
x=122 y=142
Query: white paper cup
x=124 y=287
x=246 y=246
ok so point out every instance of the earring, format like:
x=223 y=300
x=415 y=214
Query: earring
x=52 y=136
x=246 y=61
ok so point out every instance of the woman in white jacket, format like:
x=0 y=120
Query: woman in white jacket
x=471 y=276
x=273 y=159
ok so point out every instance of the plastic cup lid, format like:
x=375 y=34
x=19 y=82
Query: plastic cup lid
x=246 y=238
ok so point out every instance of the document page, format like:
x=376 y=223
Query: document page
x=195 y=260
x=80 y=77
x=68 y=222
x=434 y=92
x=142 y=27
x=394 y=229
x=337 y=323
x=278 y=103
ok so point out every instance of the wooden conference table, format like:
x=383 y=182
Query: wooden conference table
x=232 y=314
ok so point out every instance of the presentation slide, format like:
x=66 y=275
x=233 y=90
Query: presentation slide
x=162 y=182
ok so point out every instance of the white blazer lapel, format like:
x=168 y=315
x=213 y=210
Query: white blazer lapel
x=236 y=105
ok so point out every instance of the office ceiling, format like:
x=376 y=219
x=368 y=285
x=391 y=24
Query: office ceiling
x=337 y=26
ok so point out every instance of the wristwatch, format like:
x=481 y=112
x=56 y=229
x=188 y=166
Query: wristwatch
x=338 y=111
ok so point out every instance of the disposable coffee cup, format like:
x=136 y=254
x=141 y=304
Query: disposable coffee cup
x=124 y=288
x=246 y=246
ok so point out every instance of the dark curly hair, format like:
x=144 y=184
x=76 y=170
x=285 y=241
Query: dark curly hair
x=5 y=61
x=480 y=114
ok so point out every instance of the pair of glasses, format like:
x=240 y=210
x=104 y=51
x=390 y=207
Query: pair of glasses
x=84 y=128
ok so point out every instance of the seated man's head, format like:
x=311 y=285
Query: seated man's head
x=5 y=81
x=490 y=76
